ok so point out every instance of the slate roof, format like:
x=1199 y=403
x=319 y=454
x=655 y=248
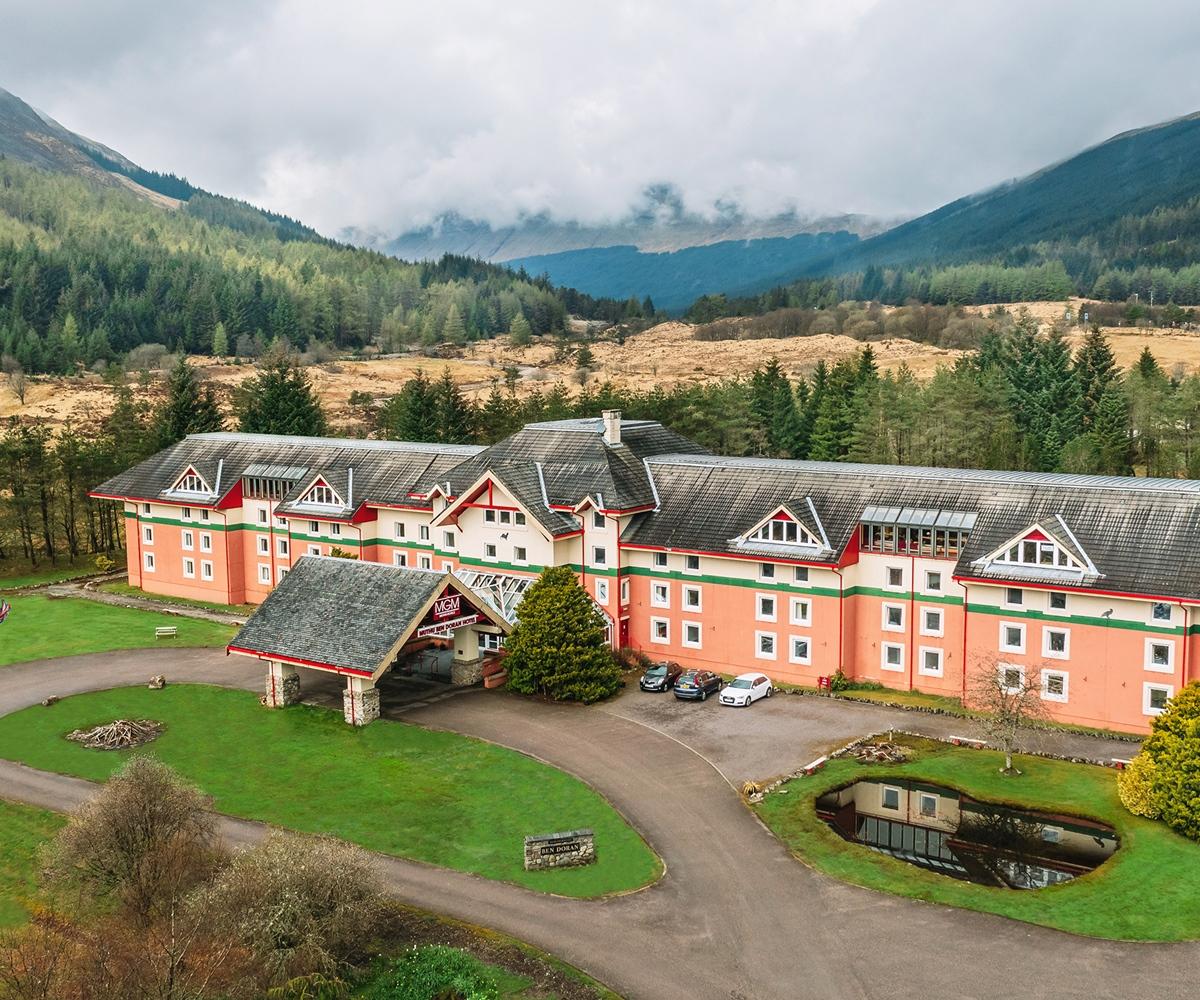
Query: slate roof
x=383 y=471
x=340 y=612
x=1140 y=533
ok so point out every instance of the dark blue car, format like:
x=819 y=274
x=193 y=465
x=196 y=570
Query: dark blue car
x=696 y=685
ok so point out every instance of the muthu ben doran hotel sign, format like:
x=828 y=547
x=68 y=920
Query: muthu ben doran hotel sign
x=447 y=606
x=560 y=850
x=446 y=615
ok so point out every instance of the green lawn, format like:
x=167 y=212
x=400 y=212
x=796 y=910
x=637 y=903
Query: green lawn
x=15 y=575
x=40 y=627
x=1147 y=891
x=394 y=788
x=24 y=828
x=124 y=590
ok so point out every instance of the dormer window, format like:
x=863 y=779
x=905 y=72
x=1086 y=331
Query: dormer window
x=190 y=482
x=321 y=494
x=776 y=530
x=1038 y=551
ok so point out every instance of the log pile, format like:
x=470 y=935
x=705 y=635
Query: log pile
x=119 y=735
x=880 y=753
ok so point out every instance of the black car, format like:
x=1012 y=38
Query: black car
x=697 y=684
x=660 y=677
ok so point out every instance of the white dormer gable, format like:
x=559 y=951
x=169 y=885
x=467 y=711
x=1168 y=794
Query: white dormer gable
x=1046 y=545
x=783 y=527
x=321 y=494
x=191 y=482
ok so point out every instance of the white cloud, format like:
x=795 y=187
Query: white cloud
x=381 y=115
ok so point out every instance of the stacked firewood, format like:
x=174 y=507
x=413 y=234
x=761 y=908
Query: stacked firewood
x=120 y=735
x=880 y=753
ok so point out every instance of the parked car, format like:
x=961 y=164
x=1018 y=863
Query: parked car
x=697 y=684
x=660 y=677
x=747 y=688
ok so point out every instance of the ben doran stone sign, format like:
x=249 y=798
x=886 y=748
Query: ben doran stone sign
x=560 y=850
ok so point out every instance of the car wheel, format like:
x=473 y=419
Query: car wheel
x=770 y=691
x=703 y=695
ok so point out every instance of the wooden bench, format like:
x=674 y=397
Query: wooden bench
x=966 y=741
x=813 y=766
x=166 y=632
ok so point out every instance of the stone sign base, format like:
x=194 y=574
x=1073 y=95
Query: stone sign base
x=560 y=850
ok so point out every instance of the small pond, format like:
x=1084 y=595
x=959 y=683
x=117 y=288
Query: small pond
x=945 y=831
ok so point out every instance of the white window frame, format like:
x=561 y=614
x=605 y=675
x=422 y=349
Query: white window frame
x=887 y=578
x=625 y=590
x=660 y=560
x=699 y=641
x=1003 y=668
x=663 y=625
x=518 y=519
x=766 y=572
x=1149 y=686
x=398 y=530
x=264 y=572
x=520 y=555
x=691 y=590
x=773 y=638
x=1014 y=590
x=426 y=562
x=147 y=534
x=883 y=797
x=490 y=552
x=800 y=576
x=1161 y=621
x=599 y=521
x=148 y=562
x=805 y=660
x=602 y=591
x=335 y=529
x=929 y=588
x=489 y=516
x=146 y=509
x=800 y=611
x=188 y=540
x=599 y=555
x=203 y=513
x=205 y=542
x=938 y=632
x=314 y=528
x=922 y=798
x=314 y=550
x=898 y=667
x=192 y=574
x=883 y=617
x=263 y=545
x=925 y=671
x=282 y=548
x=688 y=559
x=449 y=540
x=1158 y=668
x=1004 y=646
x=206 y=569
x=766 y=616
x=1066 y=691
x=660 y=594
x=400 y=559
x=1051 y=609
x=262 y=515
x=1052 y=654
x=423 y=532
x=447 y=567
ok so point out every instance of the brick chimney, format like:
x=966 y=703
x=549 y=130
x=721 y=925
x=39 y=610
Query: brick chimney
x=612 y=426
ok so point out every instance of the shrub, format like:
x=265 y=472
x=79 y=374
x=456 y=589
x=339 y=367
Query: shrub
x=1174 y=747
x=629 y=659
x=1135 y=785
x=434 y=972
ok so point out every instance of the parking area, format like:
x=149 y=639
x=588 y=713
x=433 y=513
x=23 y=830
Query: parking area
x=780 y=734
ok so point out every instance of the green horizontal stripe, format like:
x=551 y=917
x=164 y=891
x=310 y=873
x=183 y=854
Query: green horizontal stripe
x=902 y=595
x=1042 y=616
x=729 y=581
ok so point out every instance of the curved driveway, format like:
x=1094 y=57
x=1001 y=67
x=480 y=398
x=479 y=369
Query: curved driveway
x=735 y=917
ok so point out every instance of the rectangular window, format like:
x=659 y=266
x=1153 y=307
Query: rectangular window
x=930 y=663
x=264 y=573
x=489 y=642
x=927 y=805
x=890 y=798
x=189 y=541
x=447 y=567
x=335 y=529
x=932 y=621
x=1160 y=656
x=933 y=581
x=398 y=529
x=800 y=650
x=506 y=517
x=1056 y=643
x=691 y=635
x=448 y=539
x=205 y=542
x=145 y=508
x=280 y=573
x=799 y=574
x=313 y=528
x=1012 y=677
x=206 y=570
x=660 y=630
x=1054 y=685
x=203 y=514
x=518 y=519
x=895 y=578
x=625 y=591
x=314 y=550
x=423 y=532
x=1012 y=637
x=519 y=554
x=602 y=591
x=489 y=516
x=1057 y=601
x=766 y=571
x=801 y=611
x=891 y=656
x=1155 y=697
x=660 y=595
x=426 y=562
x=764 y=645
x=1160 y=611
x=281 y=546
x=599 y=520
x=148 y=534
x=1014 y=597
x=262 y=516
x=280 y=522
x=660 y=560
x=691 y=564
x=148 y=561
x=691 y=598
x=764 y=607
x=399 y=558
x=893 y=617
x=599 y=555
x=185 y=513
x=264 y=545
x=189 y=568
x=489 y=551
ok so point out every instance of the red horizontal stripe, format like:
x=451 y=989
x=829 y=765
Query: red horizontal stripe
x=299 y=661
x=1071 y=588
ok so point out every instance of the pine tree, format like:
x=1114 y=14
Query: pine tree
x=1096 y=370
x=1147 y=365
x=280 y=400
x=557 y=647
x=454 y=417
x=409 y=415
x=1111 y=433
x=188 y=409
x=220 y=341
x=453 y=330
x=519 y=331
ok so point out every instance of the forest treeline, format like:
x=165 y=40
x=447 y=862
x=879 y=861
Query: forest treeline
x=87 y=273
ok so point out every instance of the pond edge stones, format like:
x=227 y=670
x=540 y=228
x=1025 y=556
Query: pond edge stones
x=568 y=849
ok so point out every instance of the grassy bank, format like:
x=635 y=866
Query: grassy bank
x=24 y=829
x=16 y=574
x=1145 y=892
x=399 y=789
x=40 y=627
x=125 y=590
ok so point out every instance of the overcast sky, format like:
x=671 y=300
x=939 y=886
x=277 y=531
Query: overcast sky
x=381 y=115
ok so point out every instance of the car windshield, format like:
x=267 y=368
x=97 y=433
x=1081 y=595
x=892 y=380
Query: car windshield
x=656 y=672
x=742 y=682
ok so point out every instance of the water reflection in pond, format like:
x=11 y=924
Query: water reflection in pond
x=945 y=831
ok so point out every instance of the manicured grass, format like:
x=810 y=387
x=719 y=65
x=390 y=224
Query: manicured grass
x=395 y=788
x=40 y=627
x=22 y=830
x=15 y=575
x=1147 y=891
x=125 y=590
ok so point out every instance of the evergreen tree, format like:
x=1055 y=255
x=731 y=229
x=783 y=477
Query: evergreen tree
x=453 y=329
x=648 y=307
x=557 y=647
x=220 y=341
x=1147 y=365
x=1110 y=431
x=279 y=400
x=454 y=417
x=410 y=414
x=188 y=409
x=1096 y=370
x=519 y=331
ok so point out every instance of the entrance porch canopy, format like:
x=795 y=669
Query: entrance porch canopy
x=352 y=618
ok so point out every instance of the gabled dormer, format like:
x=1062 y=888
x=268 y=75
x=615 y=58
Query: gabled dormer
x=320 y=494
x=1046 y=546
x=793 y=525
x=191 y=483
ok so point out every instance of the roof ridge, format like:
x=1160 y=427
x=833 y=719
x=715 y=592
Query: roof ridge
x=358 y=444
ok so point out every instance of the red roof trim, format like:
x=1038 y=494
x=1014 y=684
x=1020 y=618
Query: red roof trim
x=1029 y=585
x=728 y=555
x=329 y=667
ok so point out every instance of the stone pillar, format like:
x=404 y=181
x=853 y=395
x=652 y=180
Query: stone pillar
x=283 y=685
x=360 y=701
x=467 y=666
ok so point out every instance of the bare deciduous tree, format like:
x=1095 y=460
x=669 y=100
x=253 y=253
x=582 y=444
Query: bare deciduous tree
x=18 y=382
x=1011 y=697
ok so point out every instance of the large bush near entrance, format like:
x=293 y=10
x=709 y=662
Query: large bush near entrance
x=557 y=647
x=1174 y=747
